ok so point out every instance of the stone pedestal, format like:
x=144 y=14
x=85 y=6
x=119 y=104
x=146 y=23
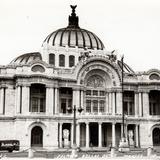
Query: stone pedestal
x=123 y=145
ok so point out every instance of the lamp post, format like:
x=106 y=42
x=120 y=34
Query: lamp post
x=123 y=146
x=74 y=148
x=123 y=133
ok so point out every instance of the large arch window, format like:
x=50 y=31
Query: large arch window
x=95 y=94
x=37 y=98
x=71 y=61
x=52 y=58
x=61 y=60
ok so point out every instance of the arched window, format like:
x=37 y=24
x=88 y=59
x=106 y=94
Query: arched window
x=61 y=60
x=37 y=98
x=154 y=76
x=95 y=94
x=38 y=68
x=52 y=58
x=71 y=61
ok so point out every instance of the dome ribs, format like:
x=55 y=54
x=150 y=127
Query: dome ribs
x=53 y=42
x=69 y=37
x=84 y=44
x=74 y=37
x=61 y=39
x=89 y=40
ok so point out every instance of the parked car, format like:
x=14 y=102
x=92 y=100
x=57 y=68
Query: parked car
x=9 y=145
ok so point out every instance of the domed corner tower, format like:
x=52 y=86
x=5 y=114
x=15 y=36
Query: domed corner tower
x=63 y=47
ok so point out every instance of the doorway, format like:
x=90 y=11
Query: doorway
x=93 y=134
x=156 y=137
x=37 y=137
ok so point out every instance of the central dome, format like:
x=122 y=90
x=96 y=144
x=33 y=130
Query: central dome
x=73 y=36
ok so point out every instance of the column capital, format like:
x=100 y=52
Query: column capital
x=100 y=123
x=113 y=123
x=75 y=89
x=86 y=123
x=49 y=86
x=26 y=85
x=61 y=123
x=143 y=90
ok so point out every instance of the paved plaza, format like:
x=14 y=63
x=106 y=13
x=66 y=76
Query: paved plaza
x=66 y=154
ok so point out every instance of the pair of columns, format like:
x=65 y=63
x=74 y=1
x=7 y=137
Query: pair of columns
x=22 y=99
x=142 y=102
x=114 y=102
x=100 y=135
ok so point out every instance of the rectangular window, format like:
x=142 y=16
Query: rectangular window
x=95 y=93
x=101 y=106
x=42 y=104
x=34 y=105
x=71 y=61
x=51 y=59
x=95 y=106
x=88 y=106
x=102 y=93
x=61 y=60
x=88 y=92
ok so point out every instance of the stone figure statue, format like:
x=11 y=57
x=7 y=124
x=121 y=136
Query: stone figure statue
x=66 y=137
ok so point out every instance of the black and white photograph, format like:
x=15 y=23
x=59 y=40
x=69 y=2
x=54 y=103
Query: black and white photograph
x=80 y=79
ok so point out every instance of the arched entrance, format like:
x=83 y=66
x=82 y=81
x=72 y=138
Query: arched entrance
x=37 y=137
x=156 y=137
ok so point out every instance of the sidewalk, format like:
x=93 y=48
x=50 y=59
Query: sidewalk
x=154 y=157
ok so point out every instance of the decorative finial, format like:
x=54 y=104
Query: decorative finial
x=73 y=19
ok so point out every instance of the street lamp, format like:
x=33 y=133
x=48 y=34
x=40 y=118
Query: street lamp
x=74 y=148
x=123 y=133
x=123 y=146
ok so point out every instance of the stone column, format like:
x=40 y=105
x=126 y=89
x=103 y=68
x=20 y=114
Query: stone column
x=72 y=134
x=67 y=60
x=119 y=102
x=113 y=103
x=56 y=60
x=140 y=104
x=137 y=136
x=78 y=135
x=113 y=134
x=121 y=130
x=2 y=100
x=107 y=103
x=146 y=104
x=60 y=135
x=49 y=100
x=56 y=101
x=100 y=134
x=87 y=135
x=25 y=99
x=82 y=99
x=18 y=99
x=136 y=103
x=110 y=102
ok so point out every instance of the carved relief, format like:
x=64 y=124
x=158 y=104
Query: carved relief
x=95 y=81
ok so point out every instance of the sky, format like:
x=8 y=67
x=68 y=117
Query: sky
x=131 y=27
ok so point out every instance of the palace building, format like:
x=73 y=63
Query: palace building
x=38 y=91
